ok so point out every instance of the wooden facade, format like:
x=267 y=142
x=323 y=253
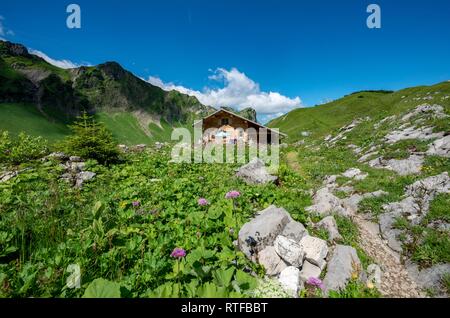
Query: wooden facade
x=227 y=127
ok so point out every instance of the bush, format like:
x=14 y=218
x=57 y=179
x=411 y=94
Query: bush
x=91 y=140
x=21 y=149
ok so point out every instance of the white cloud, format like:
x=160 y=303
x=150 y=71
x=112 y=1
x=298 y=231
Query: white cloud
x=2 y=27
x=239 y=91
x=4 y=31
x=59 y=63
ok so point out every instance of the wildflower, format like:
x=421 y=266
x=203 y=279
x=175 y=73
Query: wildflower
x=370 y=285
x=136 y=203
x=232 y=194
x=316 y=282
x=178 y=253
x=202 y=202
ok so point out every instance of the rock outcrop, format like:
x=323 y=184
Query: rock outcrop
x=343 y=265
x=255 y=172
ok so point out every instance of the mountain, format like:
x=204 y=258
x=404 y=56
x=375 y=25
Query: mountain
x=324 y=119
x=247 y=112
x=50 y=97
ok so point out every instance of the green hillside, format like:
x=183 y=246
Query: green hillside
x=323 y=119
x=41 y=99
x=16 y=118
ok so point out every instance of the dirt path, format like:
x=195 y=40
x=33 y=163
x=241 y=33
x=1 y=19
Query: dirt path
x=395 y=281
x=292 y=162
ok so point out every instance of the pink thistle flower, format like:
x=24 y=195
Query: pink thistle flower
x=136 y=203
x=178 y=253
x=316 y=282
x=202 y=202
x=232 y=194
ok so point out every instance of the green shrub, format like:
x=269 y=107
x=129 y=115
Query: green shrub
x=21 y=149
x=355 y=289
x=91 y=140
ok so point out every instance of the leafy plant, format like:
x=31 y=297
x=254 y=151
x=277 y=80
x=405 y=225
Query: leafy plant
x=21 y=149
x=102 y=288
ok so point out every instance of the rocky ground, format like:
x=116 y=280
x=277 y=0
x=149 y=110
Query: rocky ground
x=295 y=257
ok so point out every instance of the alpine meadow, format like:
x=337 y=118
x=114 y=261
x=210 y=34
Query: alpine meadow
x=93 y=203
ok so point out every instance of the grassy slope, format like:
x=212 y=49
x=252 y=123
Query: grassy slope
x=323 y=119
x=124 y=127
x=25 y=117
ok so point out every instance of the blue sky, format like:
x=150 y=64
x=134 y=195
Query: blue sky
x=276 y=55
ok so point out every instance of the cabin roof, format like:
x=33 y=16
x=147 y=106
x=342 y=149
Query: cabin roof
x=236 y=115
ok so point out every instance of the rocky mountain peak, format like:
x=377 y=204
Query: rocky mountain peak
x=113 y=69
x=14 y=49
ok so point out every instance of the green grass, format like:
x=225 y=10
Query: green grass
x=434 y=249
x=403 y=148
x=16 y=118
x=440 y=208
x=163 y=132
x=323 y=119
x=124 y=127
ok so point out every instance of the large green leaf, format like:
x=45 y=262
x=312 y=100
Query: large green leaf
x=102 y=288
x=245 y=281
x=222 y=277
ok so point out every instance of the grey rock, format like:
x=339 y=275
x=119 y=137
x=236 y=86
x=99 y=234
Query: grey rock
x=83 y=177
x=255 y=172
x=430 y=278
x=263 y=229
x=343 y=264
x=374 y=275
x=294 y=230
x=315 y=250
x=8 y=175
x=355 y=173
x=123 y=148
x=437 y=111
x=366 y=156
x=440 y=147
x=289 y=251
x=346 y=189
x=58 y=155
x=298 y=143
x=411 y=165
x=329 y=224
x=325 y=203
x=75 y=159
x=76 y=166
x=139 y=148
x=290 y=281
x=414 y=206
x=388 y=232
x=271 y=261
x=309 y=270
x=411 y=132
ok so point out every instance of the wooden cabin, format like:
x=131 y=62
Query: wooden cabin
x=228 y=127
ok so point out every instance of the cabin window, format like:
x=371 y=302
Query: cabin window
x=225 y=121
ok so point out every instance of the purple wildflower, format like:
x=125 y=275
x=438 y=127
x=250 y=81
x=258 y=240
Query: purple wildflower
x=136 y=203
x=232 y=194
x=178 y=253
x=316 y=282
x=202 y=202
